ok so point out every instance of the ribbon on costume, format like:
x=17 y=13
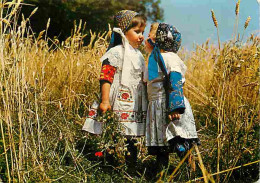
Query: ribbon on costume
x=112 y=41
x=154 y=59
x=129 y=60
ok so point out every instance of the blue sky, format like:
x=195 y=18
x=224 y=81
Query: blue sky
x=193 y=19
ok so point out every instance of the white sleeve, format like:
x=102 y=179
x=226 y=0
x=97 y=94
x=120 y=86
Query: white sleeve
x=114 y=56
x=174 y=63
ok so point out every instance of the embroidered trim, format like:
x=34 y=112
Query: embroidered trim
x=125 y=96
x=107 y=73
x=131 y=116
x=92 y=113
x=176 y=98
x=123 y=116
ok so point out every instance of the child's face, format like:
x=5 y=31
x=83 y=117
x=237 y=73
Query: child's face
x=135 y=35
x=151 y=35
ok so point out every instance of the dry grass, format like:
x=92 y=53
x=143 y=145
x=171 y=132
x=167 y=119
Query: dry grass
x=224 y=90
x=47 y=87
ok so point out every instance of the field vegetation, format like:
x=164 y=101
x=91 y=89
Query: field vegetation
x=47 y=87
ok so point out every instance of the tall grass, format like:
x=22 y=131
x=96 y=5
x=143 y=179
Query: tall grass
x=224 y=91
x=224 y=86
x=47 y=87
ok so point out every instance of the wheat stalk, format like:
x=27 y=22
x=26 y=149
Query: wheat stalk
x=216 y=25
x=237 y=8
x=179 y=165
x=214 y=19
x=237 y=15
x=47 y=27
x=33 y=12
x=5 y=149
x=205 y=173
x=247 y=22
x=5 y=21
x=245 y=26
x=228 y=170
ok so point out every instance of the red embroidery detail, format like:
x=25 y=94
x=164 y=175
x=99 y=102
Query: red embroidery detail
x=91 y=113
x=125 y=96
x=124 y=115
x=107 y=73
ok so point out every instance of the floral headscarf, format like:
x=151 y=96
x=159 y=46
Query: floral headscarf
x=168 y=38
x=123 y=19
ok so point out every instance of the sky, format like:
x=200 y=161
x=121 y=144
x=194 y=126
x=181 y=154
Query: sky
x=193 y=19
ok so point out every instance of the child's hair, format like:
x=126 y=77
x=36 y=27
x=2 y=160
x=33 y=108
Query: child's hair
x=137 y=20
x=154 y=26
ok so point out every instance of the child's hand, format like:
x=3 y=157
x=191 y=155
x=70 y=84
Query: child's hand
x=104 y=107
x=174 y=115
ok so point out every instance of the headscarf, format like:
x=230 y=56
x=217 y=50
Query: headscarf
x=123 y=19
x=168 y=39
x=122 y=22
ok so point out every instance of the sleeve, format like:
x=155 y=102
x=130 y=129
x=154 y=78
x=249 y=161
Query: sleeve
x=111 y=61
x=114 y=57
x=176 y=98
x=107 y=72
x=175 y=64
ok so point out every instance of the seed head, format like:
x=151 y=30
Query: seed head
x=33 y=11
x=247 y=21
x=48 y=23
x=214 y=18
x=237 y=7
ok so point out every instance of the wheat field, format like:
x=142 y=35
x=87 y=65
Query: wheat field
x=47 y=88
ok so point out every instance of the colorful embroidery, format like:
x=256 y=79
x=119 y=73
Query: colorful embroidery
x=124 y=116
x=176 y=98
x=124 y=95
x=107 y=73
x=131 y=116
x=92 y=113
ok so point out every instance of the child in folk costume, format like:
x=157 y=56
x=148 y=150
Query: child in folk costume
x=122 y=88
x=170 y=123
